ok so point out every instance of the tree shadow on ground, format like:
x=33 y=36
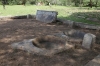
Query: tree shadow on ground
x=19 y=29
x=92 y=17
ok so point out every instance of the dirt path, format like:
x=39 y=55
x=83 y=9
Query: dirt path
x=19 y=29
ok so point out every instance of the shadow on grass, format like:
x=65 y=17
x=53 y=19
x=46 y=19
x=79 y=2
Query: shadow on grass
x=88 y=8
x=85 y=17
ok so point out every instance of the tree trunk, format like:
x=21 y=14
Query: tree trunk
x=91 y=3
x=80 y=3
x=96 y=3
x=3 y=3
x=24 y=2
x=75 y=2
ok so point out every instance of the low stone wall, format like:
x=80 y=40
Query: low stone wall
x=18 y=17
x=66 y=22
x=84 y=25
x=79 y=24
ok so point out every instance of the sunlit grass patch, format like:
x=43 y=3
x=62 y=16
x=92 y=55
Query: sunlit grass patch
x=69 y=13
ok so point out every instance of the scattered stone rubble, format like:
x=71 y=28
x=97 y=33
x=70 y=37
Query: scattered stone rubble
x=87 y=39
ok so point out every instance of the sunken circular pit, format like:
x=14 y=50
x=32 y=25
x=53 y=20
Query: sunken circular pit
x=44 y=45
x=49 y=42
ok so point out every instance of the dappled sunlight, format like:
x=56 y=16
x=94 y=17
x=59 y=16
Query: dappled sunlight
x=50 y=25
x=21 y=58
x=58 y=64
x=4 y=21
x=2 y=51
x=96 y=61
x=10 y=50
x=83 y=16
x=2 y=57
x=72 y=61
x=81 y=51
x=10 y=39
x=19 y=29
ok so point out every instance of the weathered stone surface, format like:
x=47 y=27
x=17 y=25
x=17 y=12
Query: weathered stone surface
x=46 y=16
x=93 y=19
x=62 y=35
x=88 y=41
x=72 y=35
x=69 y=23
x=94 y=62
x=75 y=33
x=28 y=46
x=84 y=25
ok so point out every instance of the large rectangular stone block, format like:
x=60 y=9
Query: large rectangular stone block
x=46 y=16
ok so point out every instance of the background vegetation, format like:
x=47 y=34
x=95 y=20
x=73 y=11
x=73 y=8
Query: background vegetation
x=87 y=11
x=54 y=2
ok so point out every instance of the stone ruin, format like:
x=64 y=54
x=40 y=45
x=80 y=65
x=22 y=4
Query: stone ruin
x=47 y=45
x=52 y=44
x=87 y=40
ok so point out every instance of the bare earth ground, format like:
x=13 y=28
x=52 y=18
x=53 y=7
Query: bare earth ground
x=19 y=29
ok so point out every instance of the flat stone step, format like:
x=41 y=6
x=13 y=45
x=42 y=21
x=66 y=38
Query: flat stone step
x=94 y=62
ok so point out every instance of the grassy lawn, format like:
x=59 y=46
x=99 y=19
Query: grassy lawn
x=70 y=13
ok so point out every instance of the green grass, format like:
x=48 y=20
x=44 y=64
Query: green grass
x=70 y=13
